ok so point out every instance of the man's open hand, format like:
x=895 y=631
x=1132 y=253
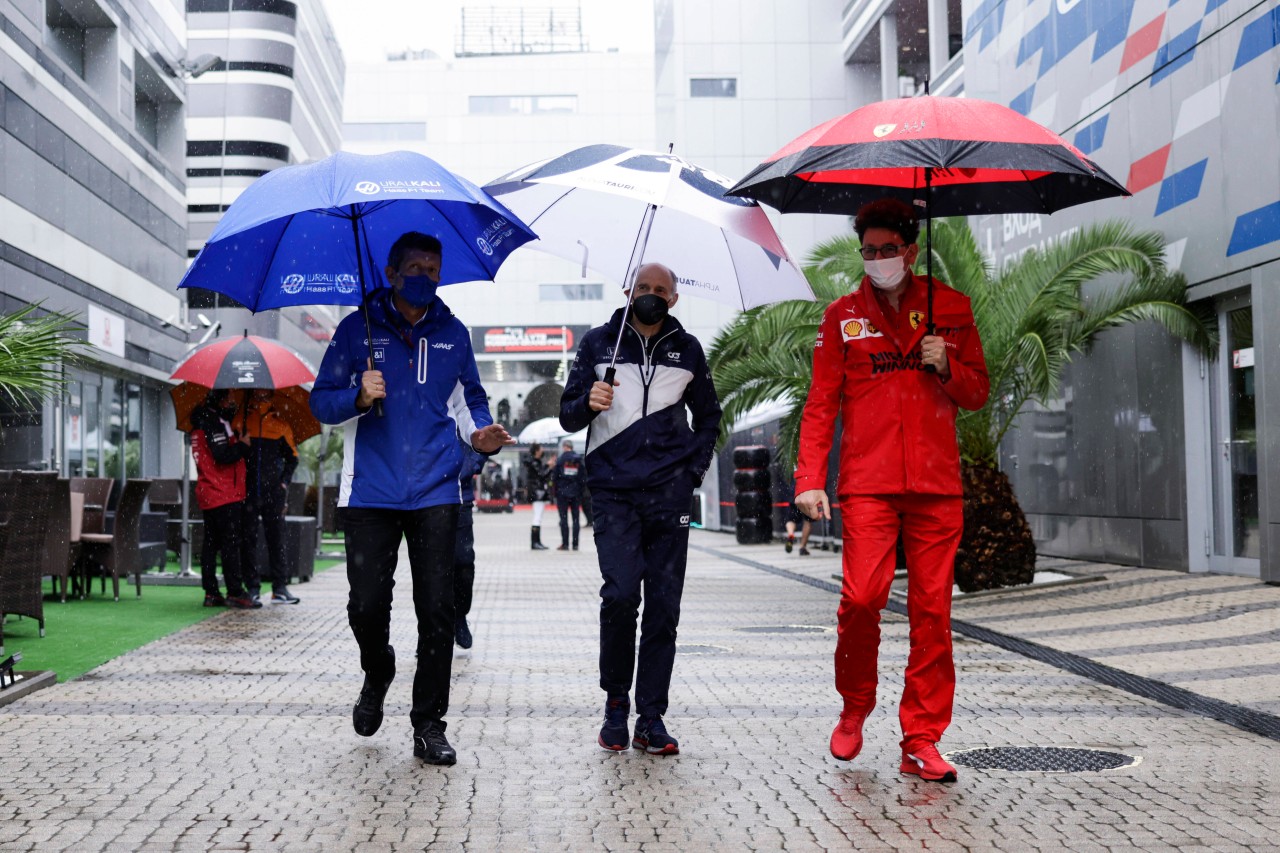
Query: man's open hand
x=490 y=438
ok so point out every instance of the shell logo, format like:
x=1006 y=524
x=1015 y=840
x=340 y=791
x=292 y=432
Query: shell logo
x=883 y=130
x=852 y=329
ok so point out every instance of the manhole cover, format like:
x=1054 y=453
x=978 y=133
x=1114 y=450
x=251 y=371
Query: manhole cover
x=702 y=650
x=1043 y=759
x=786 y=629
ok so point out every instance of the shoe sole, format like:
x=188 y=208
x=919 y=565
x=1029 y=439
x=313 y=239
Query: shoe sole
x=910 y=768
x=286 y=601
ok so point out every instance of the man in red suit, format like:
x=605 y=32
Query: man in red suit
x=896 y=388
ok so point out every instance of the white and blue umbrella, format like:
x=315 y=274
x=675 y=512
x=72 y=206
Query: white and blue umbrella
x=591 y=206
x=319 y=233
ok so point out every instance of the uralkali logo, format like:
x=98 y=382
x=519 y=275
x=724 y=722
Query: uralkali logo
x=292 y=284
x=398 y=187
x=484 y=245
x=499 y=230
x=345 y=283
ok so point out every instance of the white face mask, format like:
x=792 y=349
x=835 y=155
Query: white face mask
x=885 y=273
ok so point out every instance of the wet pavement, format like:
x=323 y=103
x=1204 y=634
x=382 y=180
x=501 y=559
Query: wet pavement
x=235 y=734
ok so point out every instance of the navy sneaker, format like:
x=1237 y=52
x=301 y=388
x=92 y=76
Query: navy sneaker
x=462 y=634
x=430 y=744
x=366 y=716
x=283 y=596
x=243 y=602
x=613 y=734
x=651 y=736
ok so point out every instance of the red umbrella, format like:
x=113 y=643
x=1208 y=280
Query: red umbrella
x=246 y=362
x=949 y=156
x=291 y=404
x=952 y=156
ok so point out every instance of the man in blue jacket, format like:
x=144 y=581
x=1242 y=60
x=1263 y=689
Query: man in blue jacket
x=568 y=483
x=643 y=462
x=400 y=475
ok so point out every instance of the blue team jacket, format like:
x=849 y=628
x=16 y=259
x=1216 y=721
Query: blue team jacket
x=410 y=458
x=644 y=440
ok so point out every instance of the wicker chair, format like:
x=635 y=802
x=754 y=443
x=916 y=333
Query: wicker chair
x=22 y=557
x=97 y=493
x=7 y=486
x=117 y=552
x=62 y=542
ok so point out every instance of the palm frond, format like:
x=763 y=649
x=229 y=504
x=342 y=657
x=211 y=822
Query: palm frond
x=30 y=344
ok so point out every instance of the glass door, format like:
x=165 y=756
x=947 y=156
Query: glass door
x=1237 y=537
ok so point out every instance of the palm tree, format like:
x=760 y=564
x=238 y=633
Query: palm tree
x=29 y=344
x=1033 y=317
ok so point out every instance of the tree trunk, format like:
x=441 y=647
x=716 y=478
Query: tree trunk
x=997 y=549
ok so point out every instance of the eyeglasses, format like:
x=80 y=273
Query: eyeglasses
x=888 y=250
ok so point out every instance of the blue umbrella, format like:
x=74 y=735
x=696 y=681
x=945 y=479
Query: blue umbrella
x=316 y=233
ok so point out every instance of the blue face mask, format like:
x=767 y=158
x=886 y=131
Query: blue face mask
x=418 y=290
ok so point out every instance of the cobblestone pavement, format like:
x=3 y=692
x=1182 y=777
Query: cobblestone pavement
x=235 y=734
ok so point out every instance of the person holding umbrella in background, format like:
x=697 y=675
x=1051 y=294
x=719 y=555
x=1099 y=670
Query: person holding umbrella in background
x=400 y=474
x=220 y=493
x=270 y=463
x=643 y=462
x=899 y=471
x=537 y=478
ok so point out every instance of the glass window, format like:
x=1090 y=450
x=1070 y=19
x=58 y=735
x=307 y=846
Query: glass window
x=511 y=105
x=384 y=131
x=713 y=87
x=113 y=439
x=73 y=431
x=585 y=292
x=132 y=431
x=92 y=431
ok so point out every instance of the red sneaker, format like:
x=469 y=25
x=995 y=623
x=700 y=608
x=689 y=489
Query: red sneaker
x=925 y=762
x=846 y=740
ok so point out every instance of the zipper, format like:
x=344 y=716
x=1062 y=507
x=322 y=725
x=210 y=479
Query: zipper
x=646 y=372
x=422 y=360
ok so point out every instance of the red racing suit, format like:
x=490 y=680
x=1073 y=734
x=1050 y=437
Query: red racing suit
x=899 y=470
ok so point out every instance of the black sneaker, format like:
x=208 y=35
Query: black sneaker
x=214 y=600
x=430 y=744
x=283 y=596
x=462 y=634
x=366 y=716
x=243 y=602
x=651 y=736
x=613 y=734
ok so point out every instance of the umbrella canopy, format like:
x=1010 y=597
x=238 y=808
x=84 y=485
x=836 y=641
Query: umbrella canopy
x=975 y=156
x=549 y=433
x=245 y=362
x=589 y=206
x=291 y=403
x=316 y=233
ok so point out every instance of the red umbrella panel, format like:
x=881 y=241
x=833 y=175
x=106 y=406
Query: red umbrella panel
x=292 y=404
x=962 y=156
x=245 y=362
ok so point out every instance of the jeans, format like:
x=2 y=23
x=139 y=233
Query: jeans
x=373 y=539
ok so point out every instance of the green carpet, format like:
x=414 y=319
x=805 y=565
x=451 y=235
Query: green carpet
x=81 y=635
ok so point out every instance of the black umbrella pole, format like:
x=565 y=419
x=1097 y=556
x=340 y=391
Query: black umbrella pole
x=929 y=327
x=364 y=304
x=633 y=267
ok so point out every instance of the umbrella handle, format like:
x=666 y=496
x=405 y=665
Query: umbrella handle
x=609 y=373
x=377 y=404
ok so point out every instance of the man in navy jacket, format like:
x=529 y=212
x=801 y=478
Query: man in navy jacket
x=400 y=474
x=643 y=462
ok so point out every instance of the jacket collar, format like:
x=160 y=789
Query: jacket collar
x=383 y=309
x=671 y=324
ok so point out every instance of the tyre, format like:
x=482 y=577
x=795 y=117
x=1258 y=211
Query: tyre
x=751 y=456
x=751 y=479
x=754 y=531
x=753 y=505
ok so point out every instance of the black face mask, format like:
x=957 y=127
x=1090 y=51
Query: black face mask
x=650 y=309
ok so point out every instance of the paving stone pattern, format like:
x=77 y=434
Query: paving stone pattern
x=235 y=734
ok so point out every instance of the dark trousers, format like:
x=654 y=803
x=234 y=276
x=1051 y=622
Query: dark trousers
x=272 y=519
x=373 y=540
x=566 y=504
x=464 y=562
x=642 y=540
x=222 y=536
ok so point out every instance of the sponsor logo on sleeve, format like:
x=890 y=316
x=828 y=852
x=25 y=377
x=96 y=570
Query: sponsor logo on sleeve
x=859 y=328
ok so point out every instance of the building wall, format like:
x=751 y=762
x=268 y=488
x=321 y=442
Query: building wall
x=276 y=99
x=1180 y=102
x=92 y=209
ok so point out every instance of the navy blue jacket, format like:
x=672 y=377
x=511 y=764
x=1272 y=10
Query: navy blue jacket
x=569 y=475
x=410 y=458
x=644 y=440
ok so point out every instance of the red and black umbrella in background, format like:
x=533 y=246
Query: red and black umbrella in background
x=946 y=156
x=245 y=362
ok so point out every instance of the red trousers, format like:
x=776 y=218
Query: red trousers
x=931 y=526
